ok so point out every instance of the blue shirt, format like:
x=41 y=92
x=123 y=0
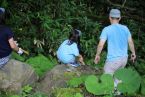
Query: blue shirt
x=67 y=53
x=117 y=40
x=5 y=35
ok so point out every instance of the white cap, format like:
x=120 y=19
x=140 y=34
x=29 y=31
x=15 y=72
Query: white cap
x=115 y=13
x=2 y=10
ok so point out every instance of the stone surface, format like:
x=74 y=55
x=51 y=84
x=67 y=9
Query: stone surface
x=16 y=74
x=59 y=75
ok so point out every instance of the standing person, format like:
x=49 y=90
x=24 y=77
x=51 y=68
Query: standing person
x=7 y=43
x=118 y=37
x=68 y=52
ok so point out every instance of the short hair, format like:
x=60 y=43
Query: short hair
x=114 y=18
x=2 y=18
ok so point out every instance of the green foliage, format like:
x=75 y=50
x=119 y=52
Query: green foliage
x=17 y=57
x=90 y=61
x=75 y=82
x=104 y=85
x=108 y=96
x=38 y=94
x=26 y=90
x=49 y=22
x=78 y=95
x=29 y=94
x=67 y=92
x=14 y=96
x=140 y=66
x=143 y=86
x=130 y=80
x=41 y=27
x=41 y=64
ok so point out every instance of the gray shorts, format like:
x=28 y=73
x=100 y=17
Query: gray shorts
x=111 y=66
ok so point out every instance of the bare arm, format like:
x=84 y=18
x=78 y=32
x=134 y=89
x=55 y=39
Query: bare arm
x=100 y=46
x=13 y=45
x=81 y=60
x=99 y=50
x=131 y=45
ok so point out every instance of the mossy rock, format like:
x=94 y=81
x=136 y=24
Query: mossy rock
x=58 y=77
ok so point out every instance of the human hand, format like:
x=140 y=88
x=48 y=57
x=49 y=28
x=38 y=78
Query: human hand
x=80 y=59
x=133 y=57
x=20 y=51
x=82 y=63
x=97 y=59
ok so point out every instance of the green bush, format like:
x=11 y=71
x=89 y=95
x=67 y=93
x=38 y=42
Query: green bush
x=143 y=86
x=41 y=64
x=17 y=57
x=41 y=27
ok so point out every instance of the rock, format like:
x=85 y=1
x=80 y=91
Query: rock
x=58 y=77
x=16 y=74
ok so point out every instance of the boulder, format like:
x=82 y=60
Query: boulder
x=15 y=74
x=58 y=76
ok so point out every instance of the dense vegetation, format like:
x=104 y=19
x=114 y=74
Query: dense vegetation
x=41 y=25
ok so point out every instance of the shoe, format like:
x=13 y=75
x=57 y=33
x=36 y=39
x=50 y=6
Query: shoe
x=75 y=65
x=116 y=92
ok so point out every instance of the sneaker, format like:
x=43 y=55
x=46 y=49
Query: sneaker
x=75 y=65
x=116 y=92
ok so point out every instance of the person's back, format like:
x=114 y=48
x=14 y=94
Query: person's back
x=117 y=38
x=67 y=52
x=5 y=34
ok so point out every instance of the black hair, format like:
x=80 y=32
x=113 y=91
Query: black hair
x=2 y=18
x=74 y=37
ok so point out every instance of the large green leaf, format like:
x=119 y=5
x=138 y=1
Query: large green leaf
x=75 y=82
x=99 y=87
x=130 y=80
x=78 y=95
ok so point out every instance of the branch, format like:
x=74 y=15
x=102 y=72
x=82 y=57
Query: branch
x=123 y=3
x=135 y=17
x=121 y=6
